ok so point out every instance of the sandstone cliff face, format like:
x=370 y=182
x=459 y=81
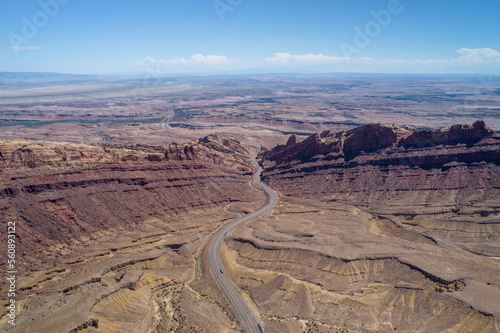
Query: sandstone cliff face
x=63 y=193
x=381 y=162
x=211 y=149
x=373 y=136
x=452 y=135
x=381 y=140
x=107 y=235
x=380 y=228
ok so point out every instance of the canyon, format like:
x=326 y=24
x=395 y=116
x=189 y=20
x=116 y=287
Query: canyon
x=378 y=228
x=107 y=235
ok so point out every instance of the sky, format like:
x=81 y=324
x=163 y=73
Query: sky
x=265 y=36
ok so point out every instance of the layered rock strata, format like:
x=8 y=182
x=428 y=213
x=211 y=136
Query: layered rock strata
x=106 y=234
x=380 y=228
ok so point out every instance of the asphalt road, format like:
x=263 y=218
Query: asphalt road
x=248 y=318
x=164 y=124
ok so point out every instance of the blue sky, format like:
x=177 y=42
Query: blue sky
x=191 y=36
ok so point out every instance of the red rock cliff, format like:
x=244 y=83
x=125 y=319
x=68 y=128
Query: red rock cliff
x=61 y=193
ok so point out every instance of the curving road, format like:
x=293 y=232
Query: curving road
x=164 y=124
x=248 y=318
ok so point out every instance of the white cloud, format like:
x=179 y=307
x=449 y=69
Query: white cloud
x=468 y=59
x=210 y=59
x=25 y=47
x=284 y=59
x=195 y=61
x=478 y=56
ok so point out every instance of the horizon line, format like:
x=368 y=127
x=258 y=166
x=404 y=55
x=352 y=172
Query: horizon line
x=238 y=73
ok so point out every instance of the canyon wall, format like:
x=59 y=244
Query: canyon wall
x=102 y=228
x=380 y=228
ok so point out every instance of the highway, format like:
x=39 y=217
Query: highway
x=248 y=318
x=164 y=123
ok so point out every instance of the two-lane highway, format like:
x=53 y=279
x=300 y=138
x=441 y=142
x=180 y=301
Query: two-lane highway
x=248 y=318
x=164 y=124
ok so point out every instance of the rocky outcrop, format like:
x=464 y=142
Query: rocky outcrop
x=210 y=149
x=294 y=138
x=58 y=194
x=379 y=228
x=89 y=323
x=454 y=170
x=324 y=143
x=338 y=144
x=451 y=135
x=388 y=144
x=373 y=136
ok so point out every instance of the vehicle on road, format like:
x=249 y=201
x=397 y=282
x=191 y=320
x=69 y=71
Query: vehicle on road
x=250 y=321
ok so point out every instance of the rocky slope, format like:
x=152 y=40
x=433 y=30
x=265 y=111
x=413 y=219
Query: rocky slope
x=451 y=174
x=385 y=162
x=102 y=225
x=380 y=228
x=57 y=194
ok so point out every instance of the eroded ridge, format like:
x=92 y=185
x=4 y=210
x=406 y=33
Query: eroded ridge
x=109 y=234
x=380 y=228
x=352 y=273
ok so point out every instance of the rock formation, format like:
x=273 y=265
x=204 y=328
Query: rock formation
x=85 y=214
x=380 y=228
x=58 y=193
x=382 y=140
x=210 y=149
